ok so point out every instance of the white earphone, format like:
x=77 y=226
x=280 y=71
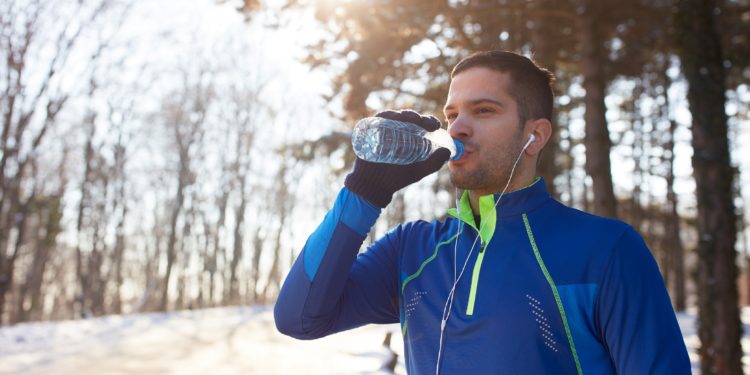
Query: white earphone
x=531 y=139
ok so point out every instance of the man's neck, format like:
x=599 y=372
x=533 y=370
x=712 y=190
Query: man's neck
x=475 y=194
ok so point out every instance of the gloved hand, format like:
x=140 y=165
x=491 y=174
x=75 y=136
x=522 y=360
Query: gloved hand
x=377 y=182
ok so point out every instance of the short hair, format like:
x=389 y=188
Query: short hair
x=530 y=85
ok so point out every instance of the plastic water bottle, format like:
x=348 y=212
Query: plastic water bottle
x=381 y=140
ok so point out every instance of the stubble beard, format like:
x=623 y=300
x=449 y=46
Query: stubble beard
x=488 y=176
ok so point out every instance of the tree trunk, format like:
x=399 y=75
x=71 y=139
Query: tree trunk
x=14 y=218
x=171 y=245
x=598 y=144
x=47 y=228
x=121 y=208
x=677 y=282
x=255 y=271
x=95 y=276
x=214 y=258
x=719 y=326
x=238 y=242
x=274 y=274
x=545 y=54
x=117 y=258
x=23 y=214
x=282 y=201
x=83 y=284
x=637 y=216
x=181 y=272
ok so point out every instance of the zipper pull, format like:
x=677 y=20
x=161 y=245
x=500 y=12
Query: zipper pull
x=482 y=246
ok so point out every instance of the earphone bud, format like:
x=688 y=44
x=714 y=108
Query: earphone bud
x=531 y=139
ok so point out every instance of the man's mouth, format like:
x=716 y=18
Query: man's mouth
x=467 y=154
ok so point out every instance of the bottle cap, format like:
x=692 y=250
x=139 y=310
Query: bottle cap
x=459 y=150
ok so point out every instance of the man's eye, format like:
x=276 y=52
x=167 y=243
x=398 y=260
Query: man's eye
x=450 y=117
x=484 y=110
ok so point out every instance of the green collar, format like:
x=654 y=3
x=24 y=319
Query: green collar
x=487 y=214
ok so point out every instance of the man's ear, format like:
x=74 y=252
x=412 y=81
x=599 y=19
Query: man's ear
x=541 y=129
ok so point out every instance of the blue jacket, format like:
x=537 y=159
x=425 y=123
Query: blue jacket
x=547 y=289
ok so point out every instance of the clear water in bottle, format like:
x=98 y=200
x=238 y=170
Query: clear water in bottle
x=381 y=140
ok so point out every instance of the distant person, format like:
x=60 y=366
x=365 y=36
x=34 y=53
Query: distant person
x=513 y=281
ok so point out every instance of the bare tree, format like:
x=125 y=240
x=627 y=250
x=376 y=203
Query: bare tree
x=120 y=211
x=676 y=276
x=701 y=56
x=211 y=260
x=257 y=241
x=184 y=118
x=283 y=205
x=45 y=213
x=28 y=111
x=598 y=144
x=246 y=106
x=86 y=266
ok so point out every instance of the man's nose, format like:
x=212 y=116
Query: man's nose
x=460 y=128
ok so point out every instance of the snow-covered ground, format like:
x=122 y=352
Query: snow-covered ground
x=213 y=341
x=690 y=333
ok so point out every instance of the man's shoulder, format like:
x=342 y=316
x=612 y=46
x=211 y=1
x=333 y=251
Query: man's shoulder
x=591 y=236
x=583 y=244
x=587 y=221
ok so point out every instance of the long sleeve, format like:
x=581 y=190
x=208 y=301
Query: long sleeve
x=330 y=288
x=635 y=314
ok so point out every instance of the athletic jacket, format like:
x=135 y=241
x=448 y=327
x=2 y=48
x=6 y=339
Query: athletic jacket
x=546 y=289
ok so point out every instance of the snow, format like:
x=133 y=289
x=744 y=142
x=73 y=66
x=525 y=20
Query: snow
x=690 y=333
x=212 y=341
x=222 y=340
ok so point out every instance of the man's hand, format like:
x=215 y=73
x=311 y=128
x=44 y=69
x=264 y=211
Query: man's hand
x=377 y=182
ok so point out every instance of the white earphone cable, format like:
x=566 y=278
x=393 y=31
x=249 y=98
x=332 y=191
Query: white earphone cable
x=449 y=301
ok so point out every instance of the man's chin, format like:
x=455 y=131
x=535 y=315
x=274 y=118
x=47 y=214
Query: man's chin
x=460 y=181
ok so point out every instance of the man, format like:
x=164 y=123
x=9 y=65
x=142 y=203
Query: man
x=513 y=282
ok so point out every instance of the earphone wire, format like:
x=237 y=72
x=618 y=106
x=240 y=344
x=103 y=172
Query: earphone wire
x=452 y=293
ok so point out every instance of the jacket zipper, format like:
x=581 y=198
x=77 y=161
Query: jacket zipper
x=475 y=279
x=480 y=257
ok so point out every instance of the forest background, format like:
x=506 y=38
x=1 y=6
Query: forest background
x=181 y=163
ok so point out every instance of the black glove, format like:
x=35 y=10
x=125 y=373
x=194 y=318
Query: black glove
x=377 y=182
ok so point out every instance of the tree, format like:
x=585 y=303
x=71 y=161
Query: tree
x=702 y=61
x=46 y=217
x=185 y=115
x=388 y=46
x=31 y=98
x=595 y=80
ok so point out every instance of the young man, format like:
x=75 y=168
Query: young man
x=513 y=282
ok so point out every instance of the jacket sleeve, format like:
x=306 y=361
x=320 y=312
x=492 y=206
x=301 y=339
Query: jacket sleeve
x=329 y=287
x=635 y=314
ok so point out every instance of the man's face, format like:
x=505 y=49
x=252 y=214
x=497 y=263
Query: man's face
x=482 y=114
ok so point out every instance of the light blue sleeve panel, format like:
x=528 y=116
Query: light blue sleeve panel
x=579 y=301
x=635 y=314
x=349 y=209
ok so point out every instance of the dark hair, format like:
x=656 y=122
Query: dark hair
x=530 y=85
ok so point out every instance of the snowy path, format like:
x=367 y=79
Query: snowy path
x=216 y=341
x=239 y=340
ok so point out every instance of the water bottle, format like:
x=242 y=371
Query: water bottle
x=381 y=140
